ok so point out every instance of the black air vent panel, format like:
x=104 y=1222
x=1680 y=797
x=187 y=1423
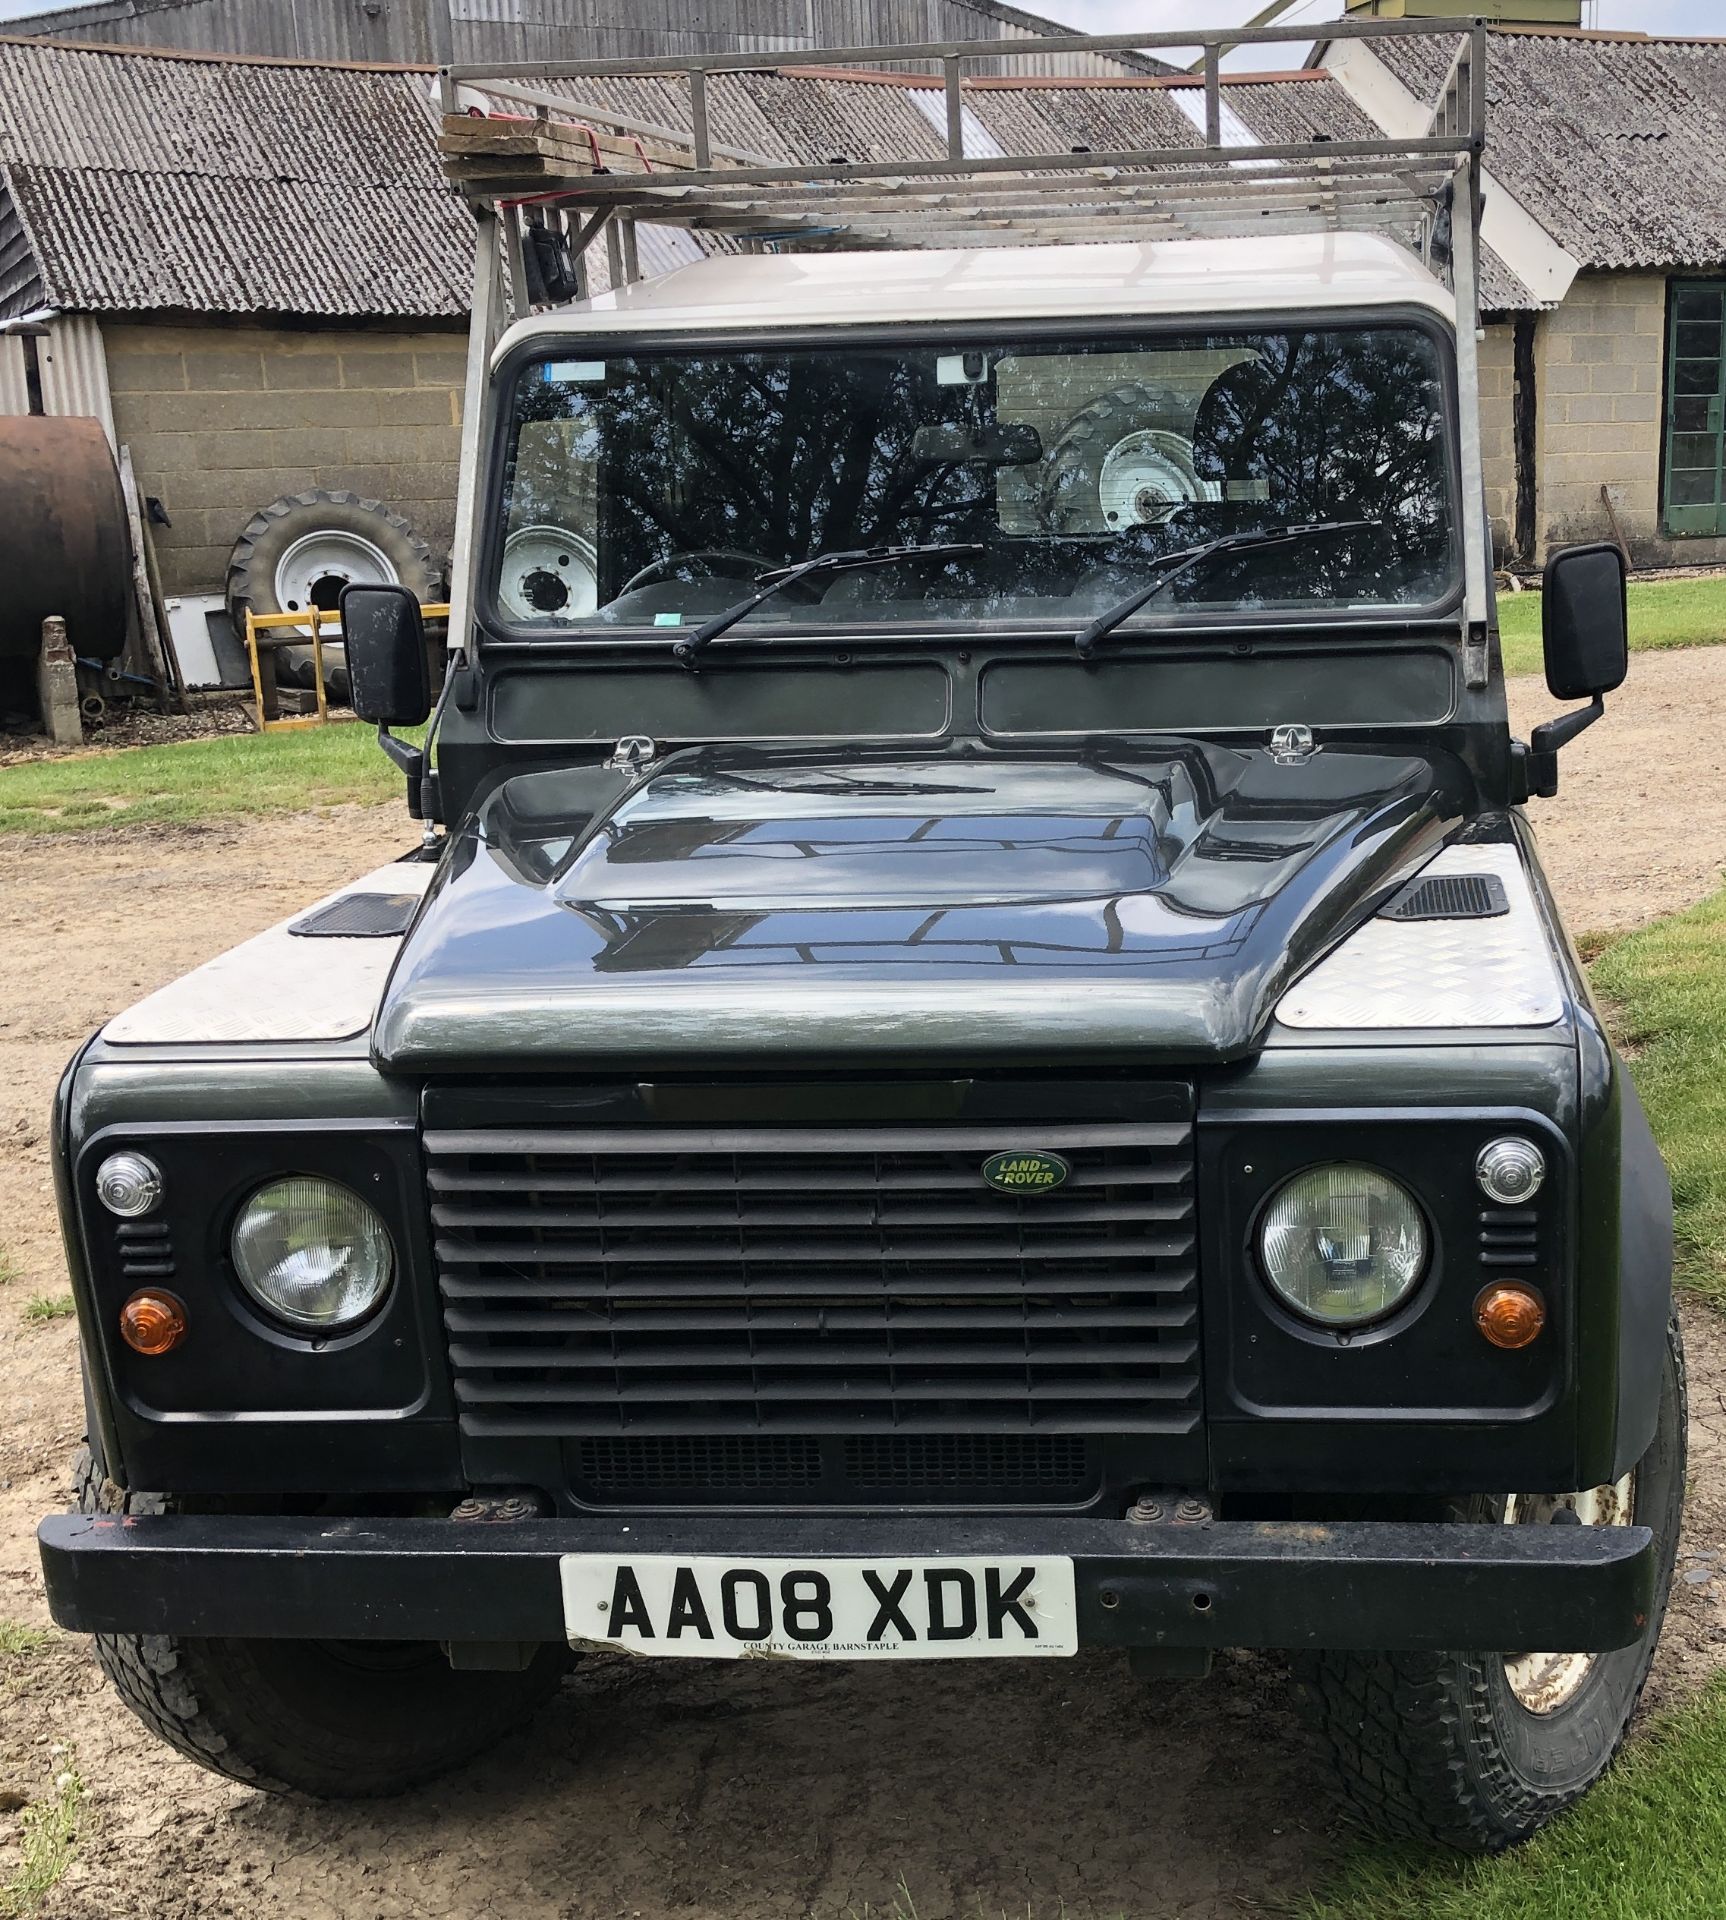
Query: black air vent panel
x=359 y=916
x=1450 y=896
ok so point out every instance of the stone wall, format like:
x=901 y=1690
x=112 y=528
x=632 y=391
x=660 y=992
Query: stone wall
x=223 y=420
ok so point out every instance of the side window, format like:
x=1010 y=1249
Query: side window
x=1696 y=410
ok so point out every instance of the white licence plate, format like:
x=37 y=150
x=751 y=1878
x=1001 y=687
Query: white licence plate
x=714 y=1608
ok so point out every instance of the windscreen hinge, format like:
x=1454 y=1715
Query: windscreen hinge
x=633 y=750
x=1476 y=660
x=1292 y=745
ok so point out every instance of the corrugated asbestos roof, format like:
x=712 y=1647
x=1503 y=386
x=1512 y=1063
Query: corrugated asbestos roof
x=1277 y=112
x=1614 y=143
x=148 y=182
x=1283 y=112
x=494 y=31
x=152 y=181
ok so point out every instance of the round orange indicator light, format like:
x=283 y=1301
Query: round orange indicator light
x=153 y=1323
x=1510 y=1315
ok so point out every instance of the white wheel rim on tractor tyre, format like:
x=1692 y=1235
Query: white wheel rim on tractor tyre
x=314 y=568
x=1545 y=1682
x=548 y=573
x=1145 y=477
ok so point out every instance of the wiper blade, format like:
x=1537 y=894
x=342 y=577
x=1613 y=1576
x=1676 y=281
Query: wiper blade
x=779 y=578
x=1184 y=560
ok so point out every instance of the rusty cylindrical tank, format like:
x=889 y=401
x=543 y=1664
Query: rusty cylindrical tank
x=63 y=541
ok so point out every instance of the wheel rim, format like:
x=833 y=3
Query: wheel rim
x=315 y=568
x=548 y=574
x=1145 y=478
x=1543 y=1683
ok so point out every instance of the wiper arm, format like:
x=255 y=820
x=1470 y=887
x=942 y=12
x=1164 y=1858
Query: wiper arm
x=779 y=578
x=1184 y=560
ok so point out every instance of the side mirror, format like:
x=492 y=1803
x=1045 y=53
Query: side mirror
x=1585 y=621
x=1585 y=614
x=386 y=648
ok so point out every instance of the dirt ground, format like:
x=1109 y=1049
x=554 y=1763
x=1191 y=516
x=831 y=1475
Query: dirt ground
x=1639 y=825
x=672 y=1792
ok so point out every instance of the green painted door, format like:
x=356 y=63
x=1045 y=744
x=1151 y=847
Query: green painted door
x=1696 y=410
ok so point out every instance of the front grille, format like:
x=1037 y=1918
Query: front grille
x=858 y=1468
x=698 y=1463
x=645 y=1280
x=896 y=1462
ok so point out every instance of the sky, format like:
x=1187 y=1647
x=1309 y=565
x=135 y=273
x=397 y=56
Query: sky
x=1158 y=16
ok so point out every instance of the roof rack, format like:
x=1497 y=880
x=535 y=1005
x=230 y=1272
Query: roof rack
x=532 y=144
x=551 y=171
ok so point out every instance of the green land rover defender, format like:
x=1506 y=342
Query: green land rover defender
x=977 y=1062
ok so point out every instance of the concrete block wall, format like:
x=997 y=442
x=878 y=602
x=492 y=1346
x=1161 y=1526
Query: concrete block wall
x=1498 y=432
x=1601 y=360
x=223 y=420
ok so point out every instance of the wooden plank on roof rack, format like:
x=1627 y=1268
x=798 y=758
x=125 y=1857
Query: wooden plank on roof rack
x=500 y=155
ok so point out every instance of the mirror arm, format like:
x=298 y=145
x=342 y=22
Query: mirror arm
x=412 y=762
x=1546 y=740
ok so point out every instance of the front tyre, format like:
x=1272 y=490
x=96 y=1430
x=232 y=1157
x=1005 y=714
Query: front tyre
x=336 y=1719
x=1479 y=1751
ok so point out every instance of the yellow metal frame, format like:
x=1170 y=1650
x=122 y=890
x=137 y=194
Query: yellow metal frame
x=277 y=626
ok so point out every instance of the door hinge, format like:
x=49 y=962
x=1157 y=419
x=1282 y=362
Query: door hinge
x=633 y=750
x=1292 y=745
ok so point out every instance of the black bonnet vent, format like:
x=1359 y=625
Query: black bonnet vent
x=359 y=916
x=1450 y=896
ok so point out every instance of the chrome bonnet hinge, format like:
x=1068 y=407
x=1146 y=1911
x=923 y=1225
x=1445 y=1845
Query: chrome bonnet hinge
x=633 y=750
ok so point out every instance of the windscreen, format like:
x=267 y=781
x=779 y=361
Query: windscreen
x=1049 y=479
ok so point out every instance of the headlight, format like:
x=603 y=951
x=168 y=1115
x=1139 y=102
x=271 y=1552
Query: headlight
x=312 y=1253
x=1343 y=1245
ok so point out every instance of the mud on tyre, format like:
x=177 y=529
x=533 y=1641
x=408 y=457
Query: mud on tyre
x=335 y=1719
x=1478 y=1751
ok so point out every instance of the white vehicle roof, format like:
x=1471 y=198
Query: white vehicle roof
x=1157 y=279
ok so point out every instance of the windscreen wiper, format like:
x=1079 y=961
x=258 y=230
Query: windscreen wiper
x=779 y=578
x=1184 y=560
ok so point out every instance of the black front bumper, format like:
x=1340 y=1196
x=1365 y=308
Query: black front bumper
x=1364 y=1585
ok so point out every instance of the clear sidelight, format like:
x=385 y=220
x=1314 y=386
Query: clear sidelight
x=129 y=1185
x=1510 y=1171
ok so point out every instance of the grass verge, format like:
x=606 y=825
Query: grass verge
x=1665 y=988
x=1649 y=1843
x=49 y=1306
x=50 y=1840
x=1663 y=613
x=231 y=776
x=17 y=1640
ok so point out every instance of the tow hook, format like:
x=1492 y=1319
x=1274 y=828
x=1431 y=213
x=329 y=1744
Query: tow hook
x=1161 y=1508
x=519 y=1503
